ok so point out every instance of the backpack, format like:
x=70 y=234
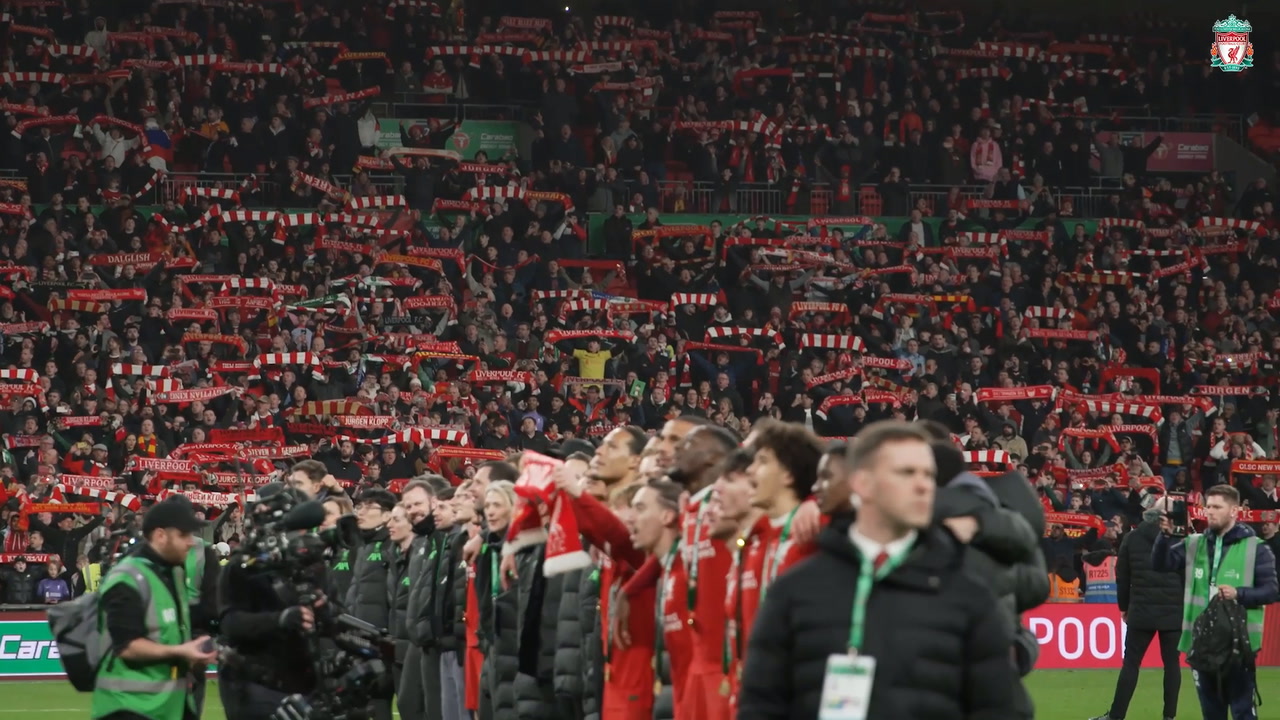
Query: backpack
x=82 y=646
x=1220 y=639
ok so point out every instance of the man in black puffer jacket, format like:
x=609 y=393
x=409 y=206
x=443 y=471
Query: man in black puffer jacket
x=1151 y=604
x=399 y=548
x=939 y=651
x=367 y=598
x=446 y=613
x=425 y=565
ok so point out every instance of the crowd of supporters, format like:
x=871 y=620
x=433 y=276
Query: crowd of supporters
x=406 y=310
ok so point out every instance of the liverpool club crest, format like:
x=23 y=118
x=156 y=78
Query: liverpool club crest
x=1231 y=50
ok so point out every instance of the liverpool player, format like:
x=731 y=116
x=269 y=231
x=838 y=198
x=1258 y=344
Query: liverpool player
x=784 y=467
x=628 y=646
x=744 y=528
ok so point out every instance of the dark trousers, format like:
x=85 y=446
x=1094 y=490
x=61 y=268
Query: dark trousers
x=431 y=689
x=1234 y=691
x=409 y=699
x=248 y=701
x=1136 y=643
x=199 y=684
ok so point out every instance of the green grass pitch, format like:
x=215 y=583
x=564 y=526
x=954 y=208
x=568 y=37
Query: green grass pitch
x=1058 y=694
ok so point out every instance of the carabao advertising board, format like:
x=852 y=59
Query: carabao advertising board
x=493 y=137
x=27 y=650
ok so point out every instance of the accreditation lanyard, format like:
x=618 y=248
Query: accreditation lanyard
x=733 y=640
x=868 y=576
x=1215 y=565
x=659 y=639
x=695 y=554
x=779 y=554
x=495 y=582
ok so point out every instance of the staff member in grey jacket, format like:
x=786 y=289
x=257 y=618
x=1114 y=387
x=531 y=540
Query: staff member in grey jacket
x=1151 y=604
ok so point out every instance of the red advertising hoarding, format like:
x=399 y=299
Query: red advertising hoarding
x=1082 y=636
x=1090 y=636
x=1179 y=152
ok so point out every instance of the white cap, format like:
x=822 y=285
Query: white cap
x=222 y=548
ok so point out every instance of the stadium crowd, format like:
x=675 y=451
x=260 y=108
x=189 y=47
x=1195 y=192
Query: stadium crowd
x=399 y=311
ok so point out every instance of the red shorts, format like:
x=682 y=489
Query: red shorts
x=703 y=699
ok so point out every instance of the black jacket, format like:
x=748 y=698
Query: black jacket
x=1153 y=600
x=423 y=568
x=460 y=587
x=578 y=650
x=940 y=652
x=397 y=589
x=367 y=597
x=445 y=611
x=499 y=631
x=261 y=651
x=66 y=543
x=341 y=571
x=535 y=634
x=19 y=587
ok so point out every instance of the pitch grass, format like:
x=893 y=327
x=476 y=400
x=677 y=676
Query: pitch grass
x=1058 y=694
x=1083 y=694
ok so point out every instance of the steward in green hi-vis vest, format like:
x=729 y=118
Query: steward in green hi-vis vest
x=158 y=690
x=1235 y=568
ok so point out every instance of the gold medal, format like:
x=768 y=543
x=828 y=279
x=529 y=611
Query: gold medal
x=724 y=687
x=657 y=687
x=608 y=672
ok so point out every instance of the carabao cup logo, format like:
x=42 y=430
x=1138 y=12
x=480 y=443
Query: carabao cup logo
x=1231 y=49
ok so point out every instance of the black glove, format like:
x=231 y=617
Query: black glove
x=291 y=619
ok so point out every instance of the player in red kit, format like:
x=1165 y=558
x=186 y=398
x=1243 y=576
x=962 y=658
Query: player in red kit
x=784 y=467
x=743 y=528
x=627 y=646
x=699 y=580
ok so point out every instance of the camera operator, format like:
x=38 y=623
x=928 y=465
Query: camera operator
x=265 y=627
x=1151 y=604
x=367 y=599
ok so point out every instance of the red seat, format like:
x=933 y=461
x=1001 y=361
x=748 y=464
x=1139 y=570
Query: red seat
x=869 y=202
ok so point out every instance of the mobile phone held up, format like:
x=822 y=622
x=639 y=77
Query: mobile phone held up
x=1177 y=514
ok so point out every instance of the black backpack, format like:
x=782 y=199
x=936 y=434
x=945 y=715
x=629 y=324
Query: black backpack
x=1220 y=639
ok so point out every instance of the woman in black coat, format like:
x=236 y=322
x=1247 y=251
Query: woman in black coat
x=941 y=652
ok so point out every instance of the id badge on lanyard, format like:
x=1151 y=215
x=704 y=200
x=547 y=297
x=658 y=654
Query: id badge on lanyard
x=846 y=688
x=850 y=676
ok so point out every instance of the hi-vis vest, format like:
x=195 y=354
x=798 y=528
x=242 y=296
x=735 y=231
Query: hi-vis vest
x=1236 y=570
x=157 y=690
x=1100 y=582
x=92 y=575
x=1061 y=591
